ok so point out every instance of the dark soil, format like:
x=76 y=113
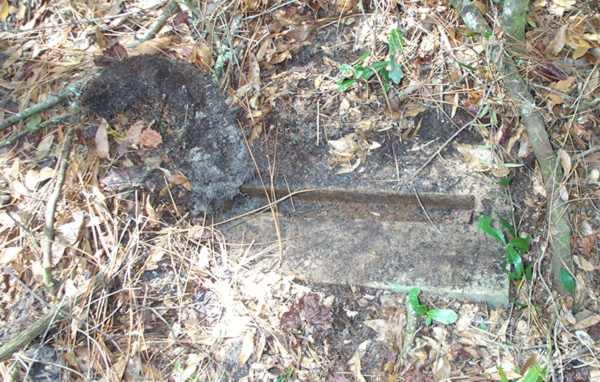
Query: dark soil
x=201 y=137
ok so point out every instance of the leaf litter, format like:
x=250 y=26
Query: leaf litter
x=186 y=305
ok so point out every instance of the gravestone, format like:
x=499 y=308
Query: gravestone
x=379 y=226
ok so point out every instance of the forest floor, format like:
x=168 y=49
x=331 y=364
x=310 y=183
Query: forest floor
x=152 y=292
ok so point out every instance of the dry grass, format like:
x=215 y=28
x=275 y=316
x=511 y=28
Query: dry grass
x=178 y=300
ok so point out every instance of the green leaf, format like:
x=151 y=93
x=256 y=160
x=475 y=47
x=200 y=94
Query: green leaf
x=396 y=72
x=445 y=316
x=33 y=121
x=363 y=57
x=289 y=373
x=516 y=262
x=345 y=84
x=536 y=373
x=470 y=68
x=505 y=182
x=568 y=281
x=346 y=70
x=494 y=118
x=428 y=321
x=521 y=243
x=485 y=224
x=380 y=66
x=363 y=73
x=396 y=42
x=503 y=377
x=415 y=303
x=507 y=226
x=529 y=272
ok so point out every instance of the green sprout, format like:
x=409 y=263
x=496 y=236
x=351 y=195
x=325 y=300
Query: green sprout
x=388 y=70
x=515 y=246
x=444 y=316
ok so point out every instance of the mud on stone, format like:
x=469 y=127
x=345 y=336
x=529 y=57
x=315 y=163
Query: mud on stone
x=201 y=137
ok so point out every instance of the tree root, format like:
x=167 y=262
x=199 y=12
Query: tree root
x=557 y=210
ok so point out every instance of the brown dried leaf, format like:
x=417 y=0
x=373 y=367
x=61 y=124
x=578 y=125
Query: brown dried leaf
x=247 y=347
x=4 y=10
x=180 y=179
x=135 y=131
x=565 y=162
x=559 y=7
x=558 y=42
x=102 y=145
x=584 y=264
x=355 y=363
x=316 y=314
x=9 y=254
x=150 y=138
x=290 y=320
x=202 y=55
x=153 y=46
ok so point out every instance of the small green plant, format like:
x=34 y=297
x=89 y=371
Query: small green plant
x=515 y=246
x=535 y=373
x=386 y=70
x=286 y=376
x=445 y=316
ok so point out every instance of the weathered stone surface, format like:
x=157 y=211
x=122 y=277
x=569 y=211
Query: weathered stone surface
x=198 y=128
x=379 y=226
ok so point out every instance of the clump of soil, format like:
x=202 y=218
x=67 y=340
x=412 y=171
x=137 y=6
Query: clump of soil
x=201 y=139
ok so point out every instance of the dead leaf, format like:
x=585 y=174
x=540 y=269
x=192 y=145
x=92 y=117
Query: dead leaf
x=247 y=347
x=591 y=85
x=43 y=148
x=584 y=264
x=594 y=37
x=483 y=158
x=558 y=42
x=102 y=145
x=33 y=178
x=202 y=55
x=412 y=109
x=428 y=43
x=344 y=6
x=454 y=105
x=562 y=86
x=67 y=235
x=563 y=193
x=9 y=254
x=180 y=179
x=4 y=10
x=150 y=138
x=152 y=46
x=442 y=369
x=565 y=162
x=37 y=269
x=579 y=45
x=355 y=362
x=347 y=145
x=507 y=363
x=135 y=131
x=587 y=322
x=155 y=257
x=559 y=7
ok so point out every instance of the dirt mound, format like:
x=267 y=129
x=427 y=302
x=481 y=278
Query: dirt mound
x=201 y=138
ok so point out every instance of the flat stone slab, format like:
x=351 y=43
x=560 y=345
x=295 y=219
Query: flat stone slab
x=379 y=226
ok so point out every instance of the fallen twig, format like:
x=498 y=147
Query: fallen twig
x=48 y=238
x=71 y=90
x=160 y=22
x=44 y=323
x=20 y=134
